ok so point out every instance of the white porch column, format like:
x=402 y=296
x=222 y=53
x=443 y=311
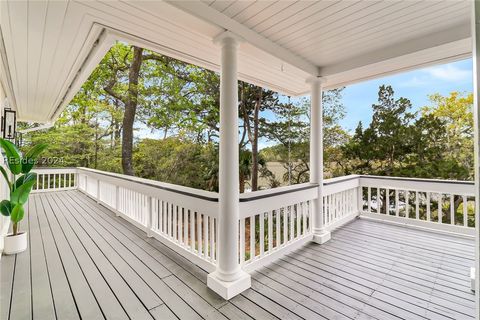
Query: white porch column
x=228 y=280
x=320 y=235
x=476 y=118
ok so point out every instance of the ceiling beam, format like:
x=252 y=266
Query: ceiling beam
x=203 y=11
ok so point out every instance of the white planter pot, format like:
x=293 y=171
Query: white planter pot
x=15 y=244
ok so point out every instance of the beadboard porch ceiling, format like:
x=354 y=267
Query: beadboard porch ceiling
x=49 y=48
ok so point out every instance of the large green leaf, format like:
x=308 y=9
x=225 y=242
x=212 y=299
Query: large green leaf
x=17 y=213
x=6 y=208
x=31 y=156
x=14 y=157
x=20 y=195
x=5 y=175
x=25 y=178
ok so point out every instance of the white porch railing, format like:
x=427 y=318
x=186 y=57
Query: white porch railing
x=272 y=222
x=341 y=200
x=51 y=179
x=443 y=205
x=185 y=219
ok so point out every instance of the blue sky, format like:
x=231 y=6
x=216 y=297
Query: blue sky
x=415 y=85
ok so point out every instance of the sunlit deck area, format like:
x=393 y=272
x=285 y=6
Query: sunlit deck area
x=85 y=262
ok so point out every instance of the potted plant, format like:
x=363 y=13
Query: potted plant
x=20 y=183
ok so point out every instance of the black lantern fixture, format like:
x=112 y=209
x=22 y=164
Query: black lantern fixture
x=9 y=124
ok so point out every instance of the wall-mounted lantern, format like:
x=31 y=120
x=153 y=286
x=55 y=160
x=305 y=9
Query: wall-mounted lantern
x=9 y=124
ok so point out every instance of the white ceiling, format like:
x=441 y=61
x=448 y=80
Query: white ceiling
x=48 y=47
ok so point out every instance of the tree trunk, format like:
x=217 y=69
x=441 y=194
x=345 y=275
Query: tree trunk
x=130 y=110
x=242 y=183
x=254 y=141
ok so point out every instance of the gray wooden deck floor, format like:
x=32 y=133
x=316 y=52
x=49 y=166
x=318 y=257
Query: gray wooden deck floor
x=83 y=262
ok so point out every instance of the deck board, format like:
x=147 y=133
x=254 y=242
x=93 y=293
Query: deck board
x=107 y=300
x=61 y=292
x=21 y=306
x=85 y=300
x=7 y=271
x=87 y=263
x=42 y=296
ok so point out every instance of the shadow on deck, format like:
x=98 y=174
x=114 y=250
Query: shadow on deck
x=83 y=262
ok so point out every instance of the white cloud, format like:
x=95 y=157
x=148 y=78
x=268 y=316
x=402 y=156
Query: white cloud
x=432 y=75
x=415 y=82
x=449 y=73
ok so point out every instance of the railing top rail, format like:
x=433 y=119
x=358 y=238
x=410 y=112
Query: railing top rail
x=187 y=191
x=417 y=179
x=262 y=194
x=53 y=168
x=251 y=196
x=335 y=180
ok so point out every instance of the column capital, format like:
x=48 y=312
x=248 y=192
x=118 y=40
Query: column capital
x=316 y=80
x=227 y=37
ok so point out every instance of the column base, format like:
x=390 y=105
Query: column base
x=229 y=289
x=321 y=238
x=472 y=278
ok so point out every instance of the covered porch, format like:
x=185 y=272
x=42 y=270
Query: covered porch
x=105 y=245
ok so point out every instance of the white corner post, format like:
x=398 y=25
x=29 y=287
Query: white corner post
x=475 y=20
x=320 y=234
x=228 y=279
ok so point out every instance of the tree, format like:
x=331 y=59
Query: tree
x=291 y=128
x=157 y=88
x=433 y=143
x=253 y=100
x=456 y=112
x=177 y=160
x=129 y=97
x=385 y=143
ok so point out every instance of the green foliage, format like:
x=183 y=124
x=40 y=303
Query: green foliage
x=17 y=213
x=5 y=176
x=21 y=187
x=177 y=161
x=27 y=177
x=6 y=207
x=21 y=193
x=12 y=155
x=291 y=128
x=31 y=156
x=433 y=143
x=178 y=108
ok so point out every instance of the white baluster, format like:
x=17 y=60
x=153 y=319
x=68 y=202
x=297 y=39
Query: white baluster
x=149 y=217
x=452 y=210
x=429 y=214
